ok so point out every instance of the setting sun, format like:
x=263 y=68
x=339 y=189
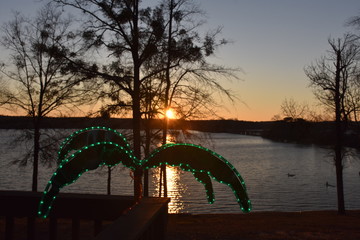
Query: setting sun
x=170 y=114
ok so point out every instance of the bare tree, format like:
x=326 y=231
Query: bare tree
x=318 y=114
x=294 y=110
x=332 y=78
x=41 y=83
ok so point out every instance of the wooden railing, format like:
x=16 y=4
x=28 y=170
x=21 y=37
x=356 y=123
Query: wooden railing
x=146 y=220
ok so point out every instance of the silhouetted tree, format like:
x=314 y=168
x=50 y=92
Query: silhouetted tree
x=142 y=46
x=40 y=81
x=128 y=34
x=292 y=109
x=332 y=78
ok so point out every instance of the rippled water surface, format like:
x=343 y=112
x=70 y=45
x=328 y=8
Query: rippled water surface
x=278 y=176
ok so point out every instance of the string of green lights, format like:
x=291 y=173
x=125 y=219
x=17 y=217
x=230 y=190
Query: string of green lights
x=89 y=148
x=88 y=136
x=197 y=159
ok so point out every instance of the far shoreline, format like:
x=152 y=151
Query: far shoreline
x=299 y=131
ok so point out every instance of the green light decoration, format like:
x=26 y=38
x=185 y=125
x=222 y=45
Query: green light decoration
x=202 y=162
x=88 y=136
x=203 y=178
x=89 y=148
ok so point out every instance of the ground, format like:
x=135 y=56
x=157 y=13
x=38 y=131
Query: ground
x=266 y=225
x=319 y=225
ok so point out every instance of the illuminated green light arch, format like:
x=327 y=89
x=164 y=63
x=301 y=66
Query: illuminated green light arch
x=89 y=148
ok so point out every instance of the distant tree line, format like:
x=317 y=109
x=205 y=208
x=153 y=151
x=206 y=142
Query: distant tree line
x=215 y=126
x=287 y=130
x=307 y=132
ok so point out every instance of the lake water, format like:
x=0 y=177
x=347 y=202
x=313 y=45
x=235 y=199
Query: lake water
x=263 y=164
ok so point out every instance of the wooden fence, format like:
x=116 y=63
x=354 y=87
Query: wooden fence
x=123 y=219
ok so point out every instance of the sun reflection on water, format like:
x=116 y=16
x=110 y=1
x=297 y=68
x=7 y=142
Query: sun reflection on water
x=176 y=189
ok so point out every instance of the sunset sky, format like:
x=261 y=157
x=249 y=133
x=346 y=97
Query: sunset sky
x=272 y=42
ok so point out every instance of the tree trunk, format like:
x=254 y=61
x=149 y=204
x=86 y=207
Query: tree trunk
x=137 y=151
x=338 y=141
x=163 y=178
x=36 y=155
x=136 y=102
x=339 y=182
x=147 y=153
x=109 y=181
x=339 y=167
x=137 y=136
